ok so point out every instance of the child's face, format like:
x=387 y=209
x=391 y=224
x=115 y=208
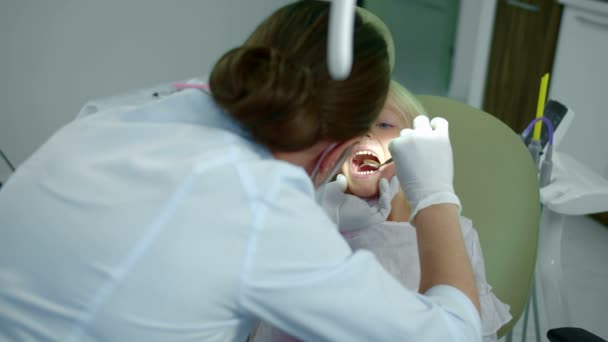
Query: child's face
x=363 y=179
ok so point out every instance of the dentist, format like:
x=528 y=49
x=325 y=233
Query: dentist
x=191 y=217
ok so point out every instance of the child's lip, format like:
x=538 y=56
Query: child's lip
x=363 y=175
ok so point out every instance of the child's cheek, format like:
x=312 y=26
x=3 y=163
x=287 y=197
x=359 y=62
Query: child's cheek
x=388 y=171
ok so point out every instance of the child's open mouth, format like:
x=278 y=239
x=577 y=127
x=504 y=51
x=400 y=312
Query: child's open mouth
x=358 y=166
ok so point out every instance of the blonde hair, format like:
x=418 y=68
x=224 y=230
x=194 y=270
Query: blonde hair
x=405 y=102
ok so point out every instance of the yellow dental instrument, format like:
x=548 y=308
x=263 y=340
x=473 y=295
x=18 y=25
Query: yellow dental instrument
x=540 y=107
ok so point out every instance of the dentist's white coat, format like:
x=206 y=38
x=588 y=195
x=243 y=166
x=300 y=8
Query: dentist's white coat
x=164 y=222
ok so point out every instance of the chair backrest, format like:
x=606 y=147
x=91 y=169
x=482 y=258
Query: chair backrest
x=496 y=181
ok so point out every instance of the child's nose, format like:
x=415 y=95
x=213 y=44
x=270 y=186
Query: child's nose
x=366 y=137
x=370 y=135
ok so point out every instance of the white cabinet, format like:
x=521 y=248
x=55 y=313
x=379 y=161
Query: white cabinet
x=580 y=80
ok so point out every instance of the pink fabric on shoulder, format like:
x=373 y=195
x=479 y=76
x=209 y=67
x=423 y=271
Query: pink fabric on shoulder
x=191 y=86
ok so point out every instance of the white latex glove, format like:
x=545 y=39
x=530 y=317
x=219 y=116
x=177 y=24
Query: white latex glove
x=350 y=212
x=423 y=163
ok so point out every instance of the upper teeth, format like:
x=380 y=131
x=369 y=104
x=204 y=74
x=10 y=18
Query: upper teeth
x=368 y=153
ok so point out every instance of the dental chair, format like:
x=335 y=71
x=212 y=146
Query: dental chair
x=497 y=183
x=495 y=179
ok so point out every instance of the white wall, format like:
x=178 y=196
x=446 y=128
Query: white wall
x=56 y=55
x=472 y=52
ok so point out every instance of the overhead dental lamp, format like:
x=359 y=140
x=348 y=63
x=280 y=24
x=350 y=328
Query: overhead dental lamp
x=340 y=40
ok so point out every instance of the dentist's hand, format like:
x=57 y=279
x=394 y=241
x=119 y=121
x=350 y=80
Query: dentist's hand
x=350 y=212
x=423 y=163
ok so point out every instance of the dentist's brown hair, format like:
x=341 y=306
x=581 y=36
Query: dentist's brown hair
x=278 y=87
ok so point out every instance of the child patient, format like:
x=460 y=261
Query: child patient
x=390 y=237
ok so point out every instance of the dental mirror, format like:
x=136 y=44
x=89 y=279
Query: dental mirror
x=376 y=164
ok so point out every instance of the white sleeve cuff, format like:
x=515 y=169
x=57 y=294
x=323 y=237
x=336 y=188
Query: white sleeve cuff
x=461 y=315
x=437 y=198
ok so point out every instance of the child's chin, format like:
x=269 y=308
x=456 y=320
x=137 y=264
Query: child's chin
x=363 y=190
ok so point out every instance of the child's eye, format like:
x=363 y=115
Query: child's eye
x=384 y=125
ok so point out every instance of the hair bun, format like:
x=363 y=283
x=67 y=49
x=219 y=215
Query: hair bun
x=269 y=94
